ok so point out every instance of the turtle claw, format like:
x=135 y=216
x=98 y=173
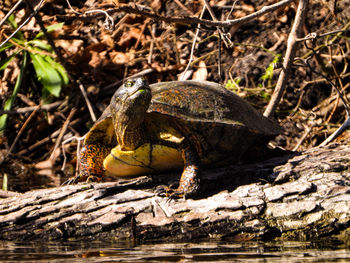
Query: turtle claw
x=162 y=190
x=72 y=180
x=169 y=193
x=79 y=178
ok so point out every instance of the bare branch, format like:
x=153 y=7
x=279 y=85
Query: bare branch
x=288 y=58
x=62 y=132
x=22 y=130
x=45 y=107
x=183 y=74
x=91 y=111
x=338 y=132
x=109 y=22
x=194 y=20
x=224 y=36
x=314 y=35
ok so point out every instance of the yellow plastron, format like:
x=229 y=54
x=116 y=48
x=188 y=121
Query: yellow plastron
x=148 y=158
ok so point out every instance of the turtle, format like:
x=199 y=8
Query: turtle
x=168 y=126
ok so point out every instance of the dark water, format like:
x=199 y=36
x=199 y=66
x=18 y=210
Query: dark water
x=175 y=252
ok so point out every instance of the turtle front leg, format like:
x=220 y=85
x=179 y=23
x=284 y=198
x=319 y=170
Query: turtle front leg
x=190 y=178
x=90 y=164
x=189 y=181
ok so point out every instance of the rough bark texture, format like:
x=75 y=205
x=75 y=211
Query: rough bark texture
x=300 y=196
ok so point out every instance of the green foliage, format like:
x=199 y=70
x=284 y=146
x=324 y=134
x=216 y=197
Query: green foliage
x=50 y=74
x=233 y=85
x=269 y=70
x=265 y=95
x=6 y=61
x=9 y=102
x=49 y=29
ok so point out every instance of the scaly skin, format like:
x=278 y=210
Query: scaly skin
x=90 y=163
x=189 y=181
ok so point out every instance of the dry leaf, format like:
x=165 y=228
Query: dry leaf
x=201 y=73
x=44 y=165
x=185 y=75
x=156 y=5
x=97 y=58
x=107 y=38
x=249 y=8
x=71 y=47
x=85 y=56
x=128 y=37
x=283 y=18
x=120 y=57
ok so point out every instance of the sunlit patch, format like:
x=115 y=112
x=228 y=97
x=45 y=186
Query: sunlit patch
x=166 y=136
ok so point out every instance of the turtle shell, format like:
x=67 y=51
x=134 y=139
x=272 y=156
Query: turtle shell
x=102 y=132
x=219 y=124
x=217 y=121
x=208 y=102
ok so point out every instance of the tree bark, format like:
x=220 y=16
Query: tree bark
x=298 y=196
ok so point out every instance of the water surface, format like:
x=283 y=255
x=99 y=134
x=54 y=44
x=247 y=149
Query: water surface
x=220 y=251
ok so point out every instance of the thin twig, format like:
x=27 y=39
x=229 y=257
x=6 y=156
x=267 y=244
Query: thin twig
x=22 y=129
x=141 y=33
x=338 y=132
x=219 y=59
x=346 y=124
x=302 y=139
x=10 y=12
x=176 y=48
x=341 y=88
x=151 y=48
x=194 y=20
x=231 y=10
x=184 y=7
x=79 y=140
x=45 y=140
x=45 y=107
x=87 y=101
x=109 y=22
x=288 y=58
x=314 y=35
x=39 y=143
x=224 y=36
x=183 y=74
x=62 y=132
x=335 y=106
x=23 y=24
x=330 y=42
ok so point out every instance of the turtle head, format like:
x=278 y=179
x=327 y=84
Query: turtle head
x=129 y=105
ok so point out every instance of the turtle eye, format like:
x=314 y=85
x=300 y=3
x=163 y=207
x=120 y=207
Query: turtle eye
x=129 y=83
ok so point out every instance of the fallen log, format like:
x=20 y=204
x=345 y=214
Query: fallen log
x=298 y=196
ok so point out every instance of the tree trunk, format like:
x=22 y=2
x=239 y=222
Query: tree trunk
x=299 y=196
